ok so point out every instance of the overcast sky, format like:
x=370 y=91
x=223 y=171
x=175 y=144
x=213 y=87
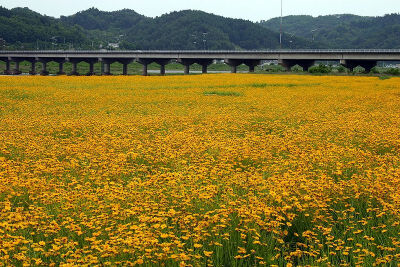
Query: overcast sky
x=254 y=10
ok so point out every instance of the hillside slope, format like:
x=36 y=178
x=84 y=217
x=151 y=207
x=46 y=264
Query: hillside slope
x=343 y=31
x=26 y=29
x=92 y=29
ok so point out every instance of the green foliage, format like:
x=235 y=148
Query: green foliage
x=320 y=69
x=25 y=29
x=375 y=70
x=93 y=19
x=22 y=28
x=341 y=69
x=392 y=71
x=184 y=30
x=222 y=93
x=343 y=31
x=297 y=68
x=274 y=68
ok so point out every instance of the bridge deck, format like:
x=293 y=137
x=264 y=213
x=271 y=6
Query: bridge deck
x=350 y=58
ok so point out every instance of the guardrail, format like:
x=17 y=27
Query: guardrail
x=280 y=51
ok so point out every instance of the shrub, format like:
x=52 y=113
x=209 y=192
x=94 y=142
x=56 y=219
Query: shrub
x=392 y=71
x=375 y=70
x=274 y=68
x=320 y=69
x=341 y=69
x=297 y=68
x=358 y=69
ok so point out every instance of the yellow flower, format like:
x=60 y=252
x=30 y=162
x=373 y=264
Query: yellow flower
x=139 y=261
x=208 y=253
x=241 y=250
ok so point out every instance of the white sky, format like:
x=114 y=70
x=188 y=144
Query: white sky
x=254 y=10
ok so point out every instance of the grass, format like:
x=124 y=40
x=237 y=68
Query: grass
x=222 y=93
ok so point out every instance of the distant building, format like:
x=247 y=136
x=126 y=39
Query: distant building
x=113 y=45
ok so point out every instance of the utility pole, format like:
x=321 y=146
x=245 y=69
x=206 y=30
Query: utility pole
x=2 y=44
x=205 y=40
x=313 y=34
x=280 y=36
x=193 y=39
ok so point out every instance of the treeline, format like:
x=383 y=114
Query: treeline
x=22 y=28
x=179 y=30
x=343 y=31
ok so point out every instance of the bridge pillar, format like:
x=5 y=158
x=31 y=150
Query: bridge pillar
x=204 y=69
x=234 y=69
x=234 y=63
x=7 y=71
x=16 y=70
x=60 y=68
x=91 y=63
x=186 y=69
x=144 y=71
x=204 y=64
x=44 y=71
x=101 y=67
x=91 y=69
x=33 y=68
x=352 y=64
x=162 y=63
x=74 y=71
x=124 y=69
x=145 y=62
x=186 y=63
x=251 y=64
x=251 y=68
x=106 y=67
x=289 y=64
x=162 y=69
x=125 y=63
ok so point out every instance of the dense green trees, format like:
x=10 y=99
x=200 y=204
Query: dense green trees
x=180 y=30
x=343 y=31
x=94 y=19
x=199 y=30
x=21 y=28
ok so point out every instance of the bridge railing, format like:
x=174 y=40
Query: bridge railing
x=268 y=51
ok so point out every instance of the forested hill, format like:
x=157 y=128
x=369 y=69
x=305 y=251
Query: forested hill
x=94 y=19
x=199 y=30
x=343 y=31
x=23 y=28
x=180 y=30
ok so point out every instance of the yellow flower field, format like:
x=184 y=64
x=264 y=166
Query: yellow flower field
x=217 y=170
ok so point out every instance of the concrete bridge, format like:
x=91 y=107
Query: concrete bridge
x=287 y=58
